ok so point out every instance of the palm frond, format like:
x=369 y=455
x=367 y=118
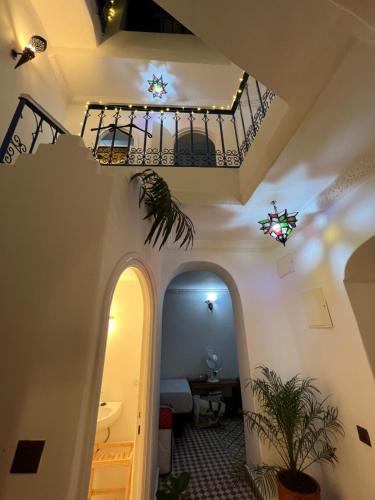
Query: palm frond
x=163 y=211
x=265 y=478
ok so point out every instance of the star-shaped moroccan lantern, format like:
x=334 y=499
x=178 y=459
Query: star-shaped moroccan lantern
x=157 y=86
x=279 y=225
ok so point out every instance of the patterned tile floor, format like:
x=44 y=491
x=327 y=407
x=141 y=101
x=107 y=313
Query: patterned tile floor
x=214 y=458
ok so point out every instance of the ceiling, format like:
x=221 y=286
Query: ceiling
x=89 y=75
x=309 y=53
x=197 y=280
x=324 y=152
x=313 y=55
x=91 y=67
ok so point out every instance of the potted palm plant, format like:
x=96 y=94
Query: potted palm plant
x=299 y=426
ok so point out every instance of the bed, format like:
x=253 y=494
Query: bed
x=175 y=392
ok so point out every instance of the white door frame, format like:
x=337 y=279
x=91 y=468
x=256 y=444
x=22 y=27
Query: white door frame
x=148 y=374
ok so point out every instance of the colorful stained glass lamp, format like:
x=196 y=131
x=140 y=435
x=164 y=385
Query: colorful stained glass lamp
x=157 y=86
x=279 y=225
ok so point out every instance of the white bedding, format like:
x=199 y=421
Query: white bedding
x=176 y=392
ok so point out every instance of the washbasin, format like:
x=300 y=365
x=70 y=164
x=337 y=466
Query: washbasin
x=109 y=412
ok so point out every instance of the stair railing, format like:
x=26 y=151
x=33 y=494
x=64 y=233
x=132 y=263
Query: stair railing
x=30 y=126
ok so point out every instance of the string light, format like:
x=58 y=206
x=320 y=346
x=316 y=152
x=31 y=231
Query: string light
x=111 y=11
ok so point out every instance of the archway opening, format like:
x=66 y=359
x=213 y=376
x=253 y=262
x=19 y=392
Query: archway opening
x=360 y=286
x=113 y=146
x=201 y=381
x=117 y=468
x=194 y=148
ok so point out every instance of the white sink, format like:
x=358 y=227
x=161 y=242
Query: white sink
x=109 y=412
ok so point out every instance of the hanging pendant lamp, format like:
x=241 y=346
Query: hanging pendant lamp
x=279 y=225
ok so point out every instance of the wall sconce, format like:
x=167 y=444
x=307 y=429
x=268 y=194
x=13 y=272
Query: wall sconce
x=36 y=44
x=211 y=297
x=210 y=304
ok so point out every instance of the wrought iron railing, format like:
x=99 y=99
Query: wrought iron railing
x=130 y=135
x=137 y=135
x=31 y=125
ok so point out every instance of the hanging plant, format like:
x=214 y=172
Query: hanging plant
x=163 y=211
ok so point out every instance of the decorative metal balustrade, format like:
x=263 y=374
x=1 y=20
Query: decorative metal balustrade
x=31 y=125
x=132 y=135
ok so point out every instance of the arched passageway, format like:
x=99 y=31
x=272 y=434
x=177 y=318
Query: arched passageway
x=124 y=416
x=360 y=286
x=202 y=313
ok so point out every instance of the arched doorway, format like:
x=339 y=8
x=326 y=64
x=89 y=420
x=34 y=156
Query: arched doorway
x=194 y=149
x=123 y=427
x=113 y=147
x=360 y=286
x=199 y=307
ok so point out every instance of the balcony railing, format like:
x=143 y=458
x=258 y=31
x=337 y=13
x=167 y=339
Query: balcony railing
x=31 y=125
x=129 y=135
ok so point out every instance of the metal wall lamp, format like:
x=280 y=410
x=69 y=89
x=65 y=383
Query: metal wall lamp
x=36 y=44
x=210 y=304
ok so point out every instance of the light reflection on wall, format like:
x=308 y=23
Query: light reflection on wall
x=332 y=234
x=356 y=218
x=320 y=221
x=339 y=255
x=311 y=254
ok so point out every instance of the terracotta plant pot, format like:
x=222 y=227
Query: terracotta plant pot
x=287 y=494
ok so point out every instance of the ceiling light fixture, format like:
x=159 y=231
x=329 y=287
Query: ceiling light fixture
x=279 y=225
x=36 y=44
x=157 y=86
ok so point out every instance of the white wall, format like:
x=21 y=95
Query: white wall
x=123 y=356
x=189 y=327
x=58 y=269
x=18 y=22
x=337 y=356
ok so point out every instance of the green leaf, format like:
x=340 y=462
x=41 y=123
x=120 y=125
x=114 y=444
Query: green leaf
x=163 y=495
x=163 y=211
x=182 y=482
